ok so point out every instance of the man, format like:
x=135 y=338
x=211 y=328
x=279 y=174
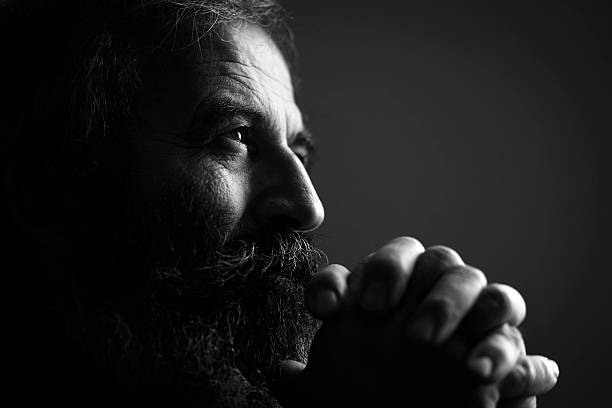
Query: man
x=161 y=227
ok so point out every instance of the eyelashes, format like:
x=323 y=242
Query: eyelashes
x=240 y=134
x=244 y=135
x=237 y=140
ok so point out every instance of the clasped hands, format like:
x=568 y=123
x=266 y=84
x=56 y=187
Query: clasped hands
x=414 y=327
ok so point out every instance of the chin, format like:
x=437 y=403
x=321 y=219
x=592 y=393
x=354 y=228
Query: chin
x=208 y=328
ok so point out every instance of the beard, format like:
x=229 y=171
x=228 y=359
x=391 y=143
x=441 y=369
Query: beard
x=193 y=314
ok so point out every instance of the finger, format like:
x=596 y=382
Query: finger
x=485 y=397
x=496 y=355
x=325 y=291
x=290 y=368
x=285 y=383
x=355 y=282
x=457 y=347
x=450 y=299
x=496 y=305
x=532 y=375
x=430 y=265
x=379 y=282
x=529 y=402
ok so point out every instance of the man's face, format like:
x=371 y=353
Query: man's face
x=218 y=186
x=221 y=125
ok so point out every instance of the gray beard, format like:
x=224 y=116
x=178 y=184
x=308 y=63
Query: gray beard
x=209 y=330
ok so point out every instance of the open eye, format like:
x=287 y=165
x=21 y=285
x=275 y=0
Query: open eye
x=239 y=134
x=303 y=149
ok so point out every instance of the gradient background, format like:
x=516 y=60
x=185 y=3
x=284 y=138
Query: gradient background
x=482 y=126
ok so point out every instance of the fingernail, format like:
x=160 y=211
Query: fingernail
x=421 y=329
x=326 y=301
x=554 y=367
x=483 y=366
x=374 y=297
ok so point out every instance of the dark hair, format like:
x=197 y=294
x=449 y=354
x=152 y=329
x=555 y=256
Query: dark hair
x=73 y=67
x=70 y=71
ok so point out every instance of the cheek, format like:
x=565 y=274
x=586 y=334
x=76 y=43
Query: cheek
x=219 y=191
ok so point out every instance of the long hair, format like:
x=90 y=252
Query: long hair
x=70 y=73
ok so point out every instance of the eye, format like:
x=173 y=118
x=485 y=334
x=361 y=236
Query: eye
x=303 y=149
x=239 y=134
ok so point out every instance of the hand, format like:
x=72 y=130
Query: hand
x=489 y=328
x=413 y=326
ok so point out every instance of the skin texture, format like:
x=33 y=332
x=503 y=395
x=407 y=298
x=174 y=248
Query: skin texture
x=256 y=182
x=403 y=311
x=447 y=309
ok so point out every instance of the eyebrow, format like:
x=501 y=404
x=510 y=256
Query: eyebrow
x=216 y=107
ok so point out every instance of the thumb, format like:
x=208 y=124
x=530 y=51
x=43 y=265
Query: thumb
x=285 y=386
x=290 y=368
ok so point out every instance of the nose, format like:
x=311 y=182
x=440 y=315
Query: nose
x=286 y=195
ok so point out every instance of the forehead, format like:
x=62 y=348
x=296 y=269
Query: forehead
x=239 y=62
x=245 y=64
x=254 y=53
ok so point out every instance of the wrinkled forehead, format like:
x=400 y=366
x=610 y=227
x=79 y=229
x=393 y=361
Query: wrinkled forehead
x=244 y=58
x=240 y=62
x=255 y=52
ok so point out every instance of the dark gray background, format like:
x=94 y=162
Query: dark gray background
x=482 y=126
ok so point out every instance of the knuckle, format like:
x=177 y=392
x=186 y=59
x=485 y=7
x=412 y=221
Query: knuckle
x=387 y=265
x=406 y=240
x=332 y=276
x=503 y=345
x=442 y=308
x=527 y=378
x=394 y=259
x=529 y=402
x=496 y=300
x=469 y=274
x=438 y=258
x=475 y=274
x=487 y=396
x=443 y=253
x=337 y=272
x=513 y=336
x=524 y=375
x=335 y=267
x=321 y=278
x=502 y=303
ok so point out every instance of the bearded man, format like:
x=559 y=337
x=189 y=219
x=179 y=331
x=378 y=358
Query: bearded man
x=161 y=227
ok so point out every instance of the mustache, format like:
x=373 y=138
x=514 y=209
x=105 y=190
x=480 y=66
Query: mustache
x=250 y=294
x=238 y=269
x=287 y=252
